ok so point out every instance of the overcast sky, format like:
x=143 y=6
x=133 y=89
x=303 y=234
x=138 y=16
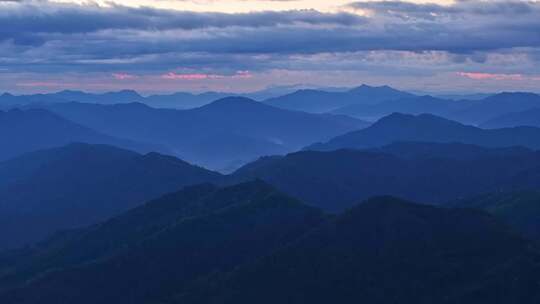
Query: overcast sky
x=247 y=45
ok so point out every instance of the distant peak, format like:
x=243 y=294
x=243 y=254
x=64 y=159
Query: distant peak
x=384 y=91
x=365 y=87
x=361 y=87
x=305 y=91
x=162 y=157
x=513 y=94
x=235 y=99
x=231 y=101
x=132 y=92
x=70 y=92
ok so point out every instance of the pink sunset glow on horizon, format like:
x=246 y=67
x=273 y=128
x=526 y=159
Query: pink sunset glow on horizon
x=124 y=76
x=245 y=45
x=494 y=76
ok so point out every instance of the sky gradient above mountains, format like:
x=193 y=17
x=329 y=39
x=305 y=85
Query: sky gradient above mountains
x=239 y=46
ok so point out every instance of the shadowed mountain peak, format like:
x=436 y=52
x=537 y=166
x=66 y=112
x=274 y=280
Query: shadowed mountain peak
x=387 y=250
x=235 y=103
x=80 y=184
x=530 y=117
x=29 y=130
x=161 y=247
x=317 y=101
x=222 y=135
x=430 y=128
x=423 y=172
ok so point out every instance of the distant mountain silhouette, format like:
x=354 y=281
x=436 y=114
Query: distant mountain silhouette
x=364 y=102
x=177 y=100
x=520 y=209
x=529 y=117
x=183 y=100
x=429 y=128
x=249 y=243
x=8 y=100
x=124 y=96
x=469 y=111
x=24 y=131
x=388 y=251
x=427 y=173
x=446 y=150
x=497 y=105
x=80 y=184
x=318 y=101
x=160 y=248
x=411 y=105
x=222 y=135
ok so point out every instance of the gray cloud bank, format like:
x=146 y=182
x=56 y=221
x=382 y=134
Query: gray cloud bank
x=39 y=36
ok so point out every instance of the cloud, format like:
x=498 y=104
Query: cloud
x=383 y=38
x=431 y=11
x=36 y=20
x=124 y=76
x=204 y=76
x=196 y=76
x=497 y=76
x=464 y=27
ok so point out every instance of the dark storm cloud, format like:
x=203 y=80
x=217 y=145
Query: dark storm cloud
x=41 y=36
x=46 y=18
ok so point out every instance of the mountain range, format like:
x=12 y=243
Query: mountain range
x=336 y=180
x=476 y=111
x=372 y=103
x=497 y=105
x=222 y=135
x=80 y=184
x=24 y=131
x=410 y=105
x=388 y=251
x=249 y=243
x=429 y=128
x=530 y=117
x=124 y=96
x=178 y=100
x=519 y=209
x=411 y=209
x=159 y=248
x=422 y=158
x=363 y=102
x=317 y=101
